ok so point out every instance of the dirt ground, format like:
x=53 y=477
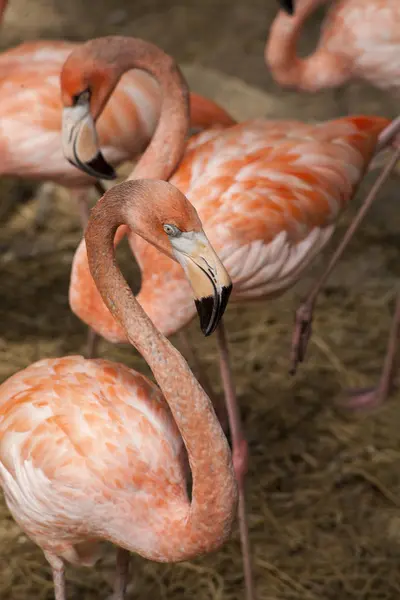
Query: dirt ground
x=323 y=487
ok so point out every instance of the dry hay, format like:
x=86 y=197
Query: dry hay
x=323 y=489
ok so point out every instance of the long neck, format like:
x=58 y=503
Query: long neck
x=205 y=525
x=322 y=69
x=167 y=145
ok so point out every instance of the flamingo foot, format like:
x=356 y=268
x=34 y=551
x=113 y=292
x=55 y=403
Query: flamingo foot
x=364 y=399
x=370 y=397
x=374 y=397
x=301 y=335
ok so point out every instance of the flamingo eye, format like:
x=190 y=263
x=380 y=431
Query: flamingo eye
x=172 y=230
x=81 y=98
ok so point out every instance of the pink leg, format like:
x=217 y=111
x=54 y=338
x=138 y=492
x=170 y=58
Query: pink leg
x=304 y=314
x=203 y=379
x=239 y=452
x=57 y=567
x=372 y=397
x=81 y=197
x=122 y=574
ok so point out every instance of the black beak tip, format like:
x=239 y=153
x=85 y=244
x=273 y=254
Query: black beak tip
x=211 y=310
x=205 y=309
x=287 y=6
x=100 y=168
x=225 y=294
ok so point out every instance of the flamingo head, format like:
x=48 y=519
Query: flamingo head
x=86 y=84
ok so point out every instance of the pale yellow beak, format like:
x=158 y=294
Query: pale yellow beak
x=80 y=143
x=207 y=276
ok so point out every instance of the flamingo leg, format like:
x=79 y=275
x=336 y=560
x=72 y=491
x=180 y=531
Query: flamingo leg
x=80 y=195
x=203 y=379
x=239 y=453
x=304 y=314
x=122 y=574
x=373 y=397
x=57 y=567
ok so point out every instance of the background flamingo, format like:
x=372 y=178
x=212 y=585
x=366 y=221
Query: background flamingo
x=92 y=450
x=358 y=40
x=266 y=226
x=30 y=109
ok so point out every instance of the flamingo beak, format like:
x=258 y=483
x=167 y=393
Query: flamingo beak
x=80 y=143
x=287 y=6
x=207 y=276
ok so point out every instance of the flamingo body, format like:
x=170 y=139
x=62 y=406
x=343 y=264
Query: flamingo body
x=269 y=194
x=88 y=450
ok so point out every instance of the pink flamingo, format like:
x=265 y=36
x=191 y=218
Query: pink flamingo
x=360 y=39
x=31 y=109
x=91 y=450
x=269 y=192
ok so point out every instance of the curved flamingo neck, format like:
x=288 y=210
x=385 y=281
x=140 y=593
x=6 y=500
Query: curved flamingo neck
x=320 y=70
x=206 y=523
x=114 y=55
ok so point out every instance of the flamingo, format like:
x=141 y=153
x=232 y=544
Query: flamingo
x=269 y=192
x=31 y=109
x=360 y=39
x=91 y=450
